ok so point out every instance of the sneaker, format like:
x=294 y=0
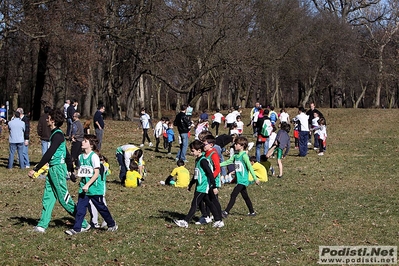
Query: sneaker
x=86 y=229
x=272 y=170
x=186 y=161
x=162 y=183
x=315 y=148
x=321 y=153
x=150 y=144
x=250 y=145
x=222 y=180
x=141 y=145
x=103 y=224
x=113 y=228
x=181 y=223
x=309 y=144
x=225 y=214
x=218 y=224
x=27 y=167
x=203 y=220
x=252 y=214
x=96 y=225
x=71 y=232
x=38 y=229
x=279 y=176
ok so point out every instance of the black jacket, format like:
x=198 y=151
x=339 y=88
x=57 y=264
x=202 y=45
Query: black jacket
x=182 y=122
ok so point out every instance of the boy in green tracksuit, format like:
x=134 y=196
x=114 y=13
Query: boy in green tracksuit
x=242 y=167
x=204 y=179
x=56 y=184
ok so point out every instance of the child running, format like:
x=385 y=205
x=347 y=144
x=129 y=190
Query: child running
x=242 y=167
x=91 y=187
x=204 y=179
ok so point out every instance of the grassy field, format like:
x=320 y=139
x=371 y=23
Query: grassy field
x=346 y=197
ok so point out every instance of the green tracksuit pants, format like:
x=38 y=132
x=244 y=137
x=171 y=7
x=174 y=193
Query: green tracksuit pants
x=56 y=189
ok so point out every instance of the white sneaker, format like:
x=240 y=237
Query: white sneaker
x=113 y=228
x=162 y=183
x=321 y=154
x=222 y=179
x=218 y=224
x=38 y=229
x=85 y=229
x=141 y=145
x=204 y=220
x=181 y=223
x=103 y=224
x=150 y=144
x=250 y=145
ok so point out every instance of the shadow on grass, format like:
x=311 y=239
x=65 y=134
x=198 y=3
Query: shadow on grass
x=62 y=222
x=169 y=216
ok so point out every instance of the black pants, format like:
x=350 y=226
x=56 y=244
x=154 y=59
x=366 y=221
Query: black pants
x=215 y=200
x=243 y=190
x=145 y=135
x=198 y=197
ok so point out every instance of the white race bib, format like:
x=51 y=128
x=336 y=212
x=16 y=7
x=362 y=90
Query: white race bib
x=85 y=171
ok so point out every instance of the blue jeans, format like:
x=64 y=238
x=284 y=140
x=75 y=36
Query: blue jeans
x=99 y=135
x=13 y=148
x=181 y=154
x=122 y=167
x=259 y=145
x=303 y=143
x=26 y=155
x=45 y=145
x=223 y=171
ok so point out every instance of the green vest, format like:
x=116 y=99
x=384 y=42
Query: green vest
x=86 y=171
x=60 y=153
x=241 y=170
x=200 y=176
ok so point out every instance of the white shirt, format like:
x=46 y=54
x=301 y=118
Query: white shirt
x=230 y=118
x=284 y=117
x=304 y=120
x=158 y=132
x=217 y=117
x=240 y=126
x=272 y=138
x=145 y=121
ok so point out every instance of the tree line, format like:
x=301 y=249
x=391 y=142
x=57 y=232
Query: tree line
x=158 y=54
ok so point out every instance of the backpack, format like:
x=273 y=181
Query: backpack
x=273 y=117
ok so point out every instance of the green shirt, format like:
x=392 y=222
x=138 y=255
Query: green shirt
x=86 y=172
x=60 y=153
x=200 y=177
x=242 y=167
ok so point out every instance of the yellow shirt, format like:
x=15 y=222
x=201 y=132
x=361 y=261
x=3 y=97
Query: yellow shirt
x=260 y=172
x=182 y=176
x=132 y=179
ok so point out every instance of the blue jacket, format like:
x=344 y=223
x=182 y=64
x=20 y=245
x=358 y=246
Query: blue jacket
x=17 y=130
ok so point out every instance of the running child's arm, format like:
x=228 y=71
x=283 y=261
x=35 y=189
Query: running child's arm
x=85 y=188
x=229 y=161
x=209 y=174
